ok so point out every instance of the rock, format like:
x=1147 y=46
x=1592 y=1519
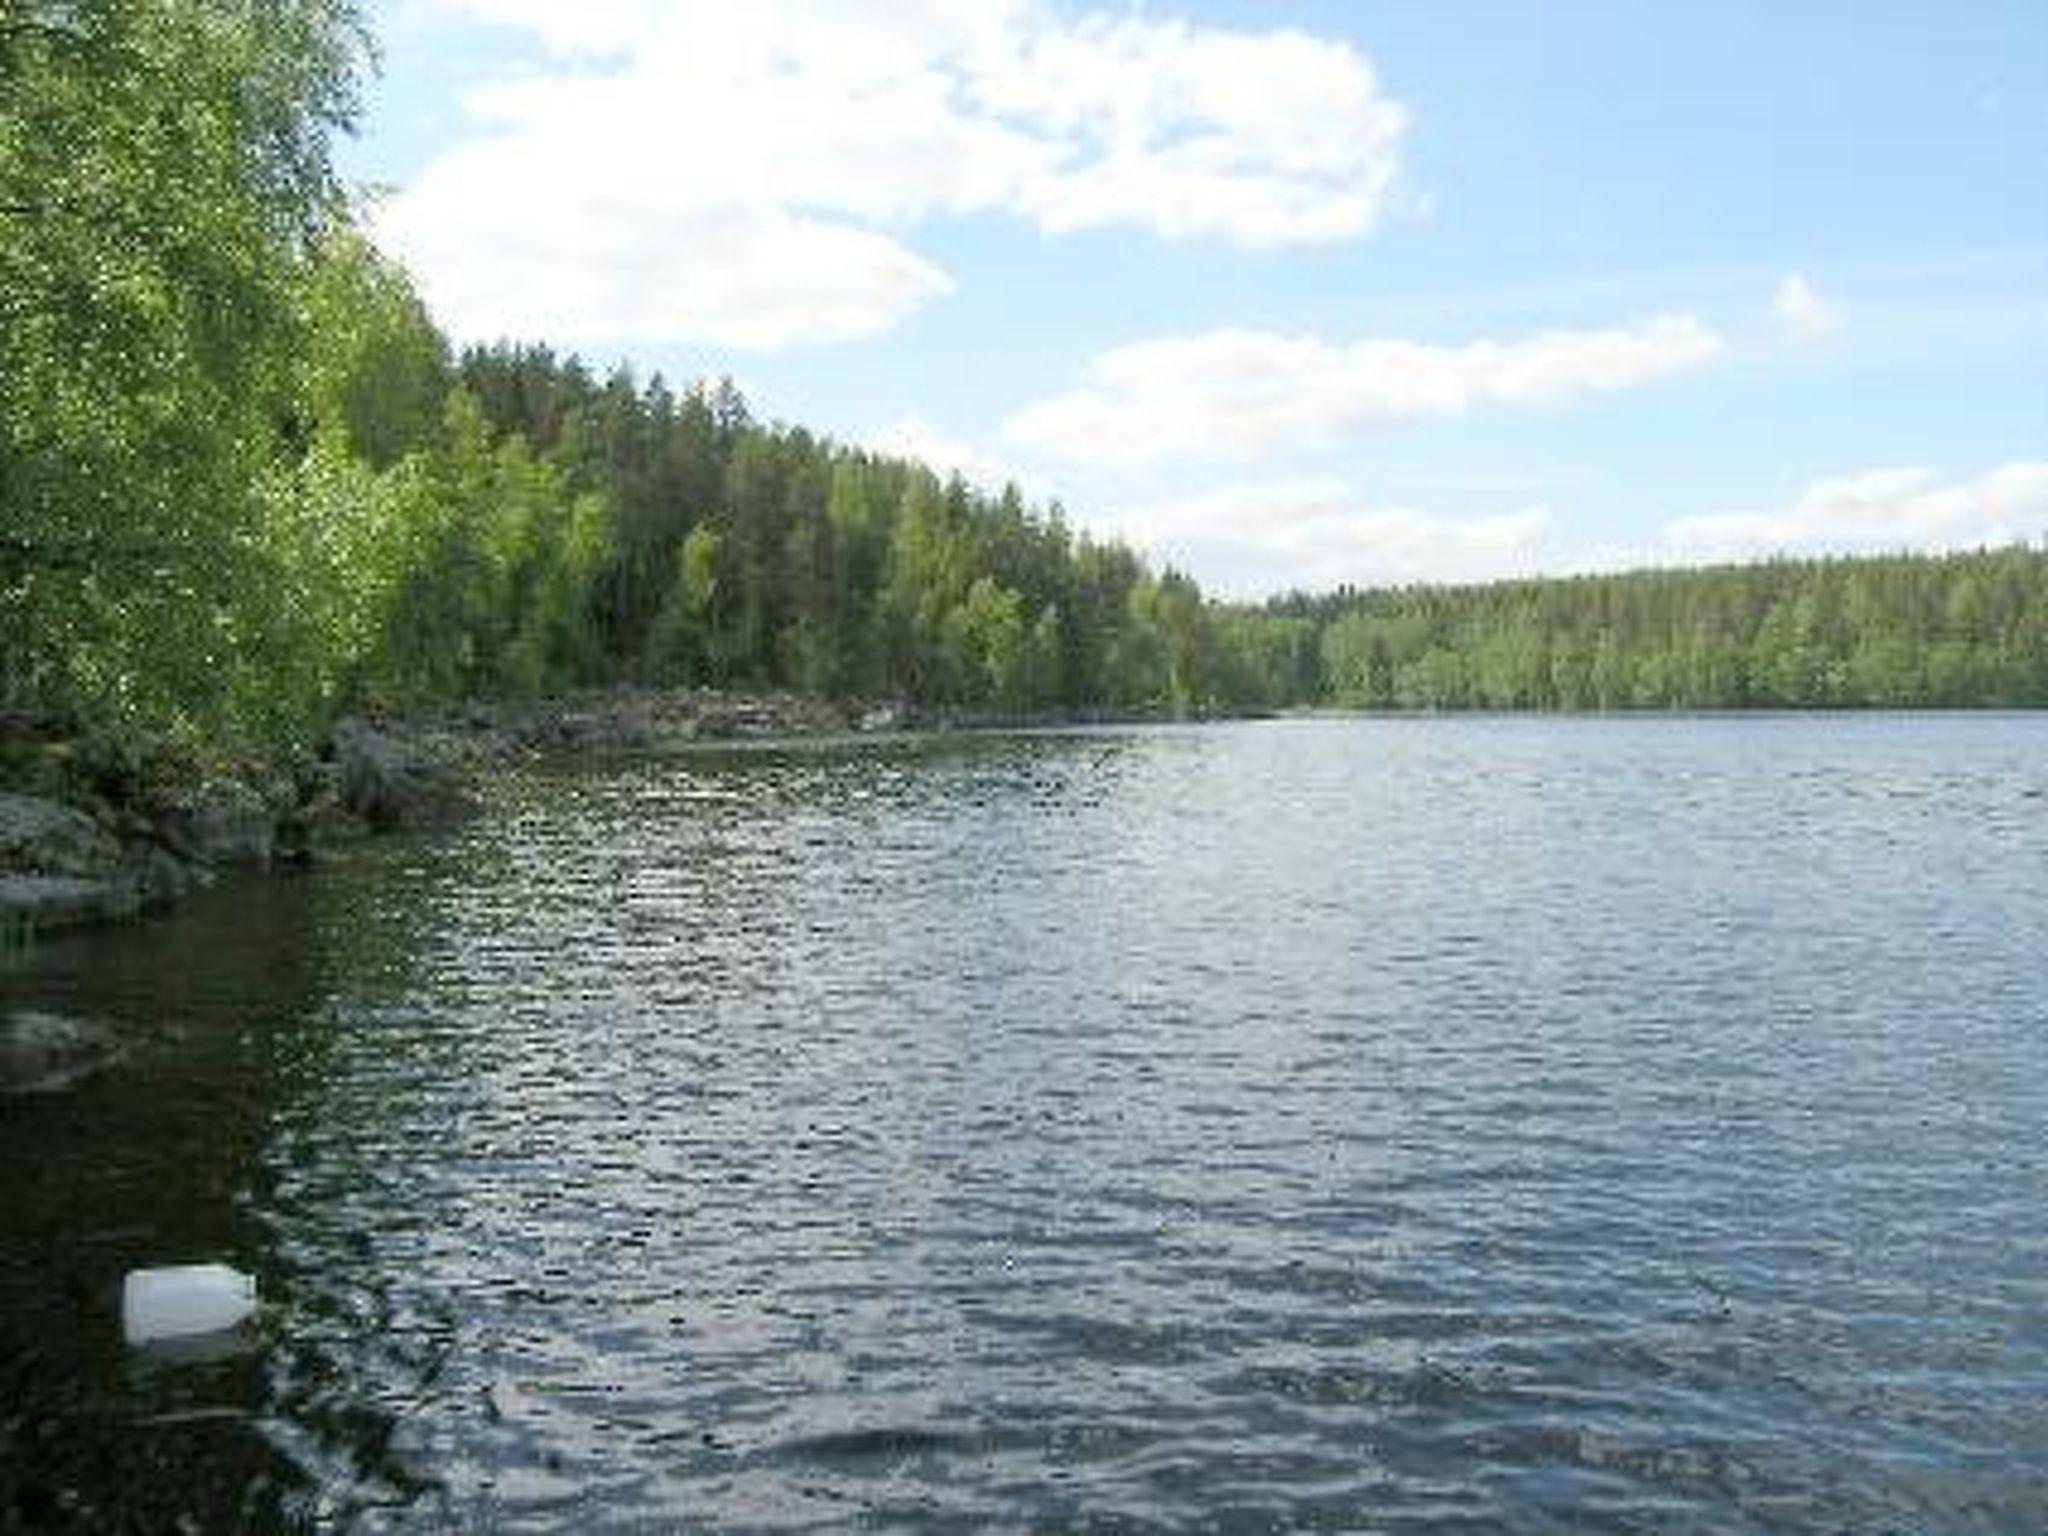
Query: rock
x=60 y=867
x=32 y=763
x=390 y=784
x=163 y=877
x=42 y=1052
x=321 y=823
x=31 y=903
x=883 y=717
x=109 y=767
x=717 y=724
x=223 y=822
x=44 y=837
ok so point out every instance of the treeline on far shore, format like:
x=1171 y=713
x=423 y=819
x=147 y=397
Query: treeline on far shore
x=1891 y=632
x=245 y=485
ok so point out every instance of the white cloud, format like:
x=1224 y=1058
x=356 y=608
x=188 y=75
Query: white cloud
x=738 y=275
x=1239 y=395
x=1877 y=510
x=677 y=163
x=590 y=27
x=1261 y=139
x=1249 y=539
x=1803 y=310
x=912 y=437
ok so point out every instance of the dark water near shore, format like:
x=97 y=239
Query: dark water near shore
x=1403 y=1125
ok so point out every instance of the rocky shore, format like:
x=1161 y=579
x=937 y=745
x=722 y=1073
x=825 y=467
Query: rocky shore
x=94 y=831
x=91 y=832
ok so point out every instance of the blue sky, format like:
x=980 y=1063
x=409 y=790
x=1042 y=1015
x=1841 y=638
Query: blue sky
x=1287 y=293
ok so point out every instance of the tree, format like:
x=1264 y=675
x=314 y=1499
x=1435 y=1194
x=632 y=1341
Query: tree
x=163 y=174
x=375 y=365
x=692 y=636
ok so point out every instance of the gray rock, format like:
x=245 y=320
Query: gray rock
x=713 y=724
x=390 y=784
x=321 y=823
x=162 y=877
x=225 y=822
x=41 y=1052
x=44 y=837
x=33 y=903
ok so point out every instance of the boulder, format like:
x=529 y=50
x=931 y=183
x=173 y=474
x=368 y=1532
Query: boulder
x=222 y=822
x=316 y=825
x=717 y=724
x=390 y=783
x=161 y=877
x=42 y=1052
x=44 y=837
x=32 y=903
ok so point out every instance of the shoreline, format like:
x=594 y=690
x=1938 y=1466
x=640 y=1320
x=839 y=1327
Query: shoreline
x=92 y=834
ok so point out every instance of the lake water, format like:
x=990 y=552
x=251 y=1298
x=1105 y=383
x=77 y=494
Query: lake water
x=1379 y=1124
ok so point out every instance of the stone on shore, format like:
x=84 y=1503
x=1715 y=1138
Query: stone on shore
x=32 y=903
x=390 y=783
x=42 y=1052
x=46 y=837
x=220 y=822
x=91 y=830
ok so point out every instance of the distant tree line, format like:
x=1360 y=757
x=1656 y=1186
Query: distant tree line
x=245 y=484
x=1891 y=632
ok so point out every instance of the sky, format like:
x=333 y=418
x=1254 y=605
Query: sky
x=1286 y=293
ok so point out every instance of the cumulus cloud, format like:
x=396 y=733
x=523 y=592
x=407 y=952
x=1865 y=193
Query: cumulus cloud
x=1239 y=395
x=1317 y=533
x=734 y=275
x=913 y=437
x=1251 y=538
x=1877 y=510
x=1802 y=309
x=677 y=162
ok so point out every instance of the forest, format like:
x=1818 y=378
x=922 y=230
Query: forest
x=246 y=485
x=1897 y=632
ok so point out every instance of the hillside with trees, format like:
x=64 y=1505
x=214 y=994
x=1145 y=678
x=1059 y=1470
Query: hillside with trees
x=245 y=485
x=1897 y=632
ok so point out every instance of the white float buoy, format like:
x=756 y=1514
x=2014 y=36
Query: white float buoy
x=184 y=1301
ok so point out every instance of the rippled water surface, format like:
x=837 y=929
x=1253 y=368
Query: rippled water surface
x=1401 y=1125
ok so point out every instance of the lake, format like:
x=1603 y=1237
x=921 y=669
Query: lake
x=1450 y=1124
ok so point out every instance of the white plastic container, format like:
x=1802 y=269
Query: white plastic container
x=185 y=1301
